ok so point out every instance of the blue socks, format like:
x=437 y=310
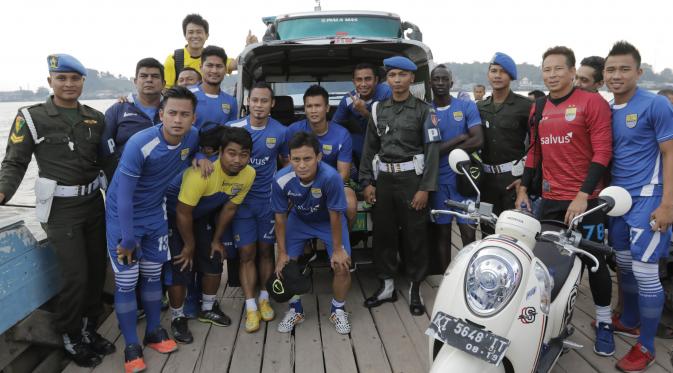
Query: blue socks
x=295 y=303
x=630 y=314
x=150 y=293
x=337 y=305
x=650 y=301
x=643 y=296
x=125 y=303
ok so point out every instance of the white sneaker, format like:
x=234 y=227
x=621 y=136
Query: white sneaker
x=290 y=320
x=340 y=320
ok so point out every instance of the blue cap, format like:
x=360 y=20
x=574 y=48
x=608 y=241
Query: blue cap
x=399 y=62
x=65 y=63
x=506 y=62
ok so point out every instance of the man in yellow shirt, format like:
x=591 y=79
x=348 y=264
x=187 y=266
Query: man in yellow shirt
x=191 y=200
x=195 y=29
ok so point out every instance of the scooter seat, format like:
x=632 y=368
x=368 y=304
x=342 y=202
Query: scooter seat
x=559 y=266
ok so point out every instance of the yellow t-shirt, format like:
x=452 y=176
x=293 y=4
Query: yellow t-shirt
x=170 y=75
x=208 y=194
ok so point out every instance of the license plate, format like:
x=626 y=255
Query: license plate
x=459 y=334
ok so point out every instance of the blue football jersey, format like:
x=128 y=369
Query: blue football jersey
x=221 y=108
x=336 y=145
x=267 y=144
x=311 y=202
x=453 y=120
x=637 y=129
x=148 y=157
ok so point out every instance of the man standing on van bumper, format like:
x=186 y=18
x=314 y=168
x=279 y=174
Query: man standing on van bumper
x=65 y=135
x=399 y=167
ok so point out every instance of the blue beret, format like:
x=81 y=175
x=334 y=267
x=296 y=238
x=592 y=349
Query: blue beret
x=399 y=62
x=506 y=62
x=65 y=63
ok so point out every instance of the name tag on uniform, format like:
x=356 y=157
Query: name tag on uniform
x=433 y=135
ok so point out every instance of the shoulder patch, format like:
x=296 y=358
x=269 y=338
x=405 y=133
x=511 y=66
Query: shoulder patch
x=15 y=136
x=19 y=123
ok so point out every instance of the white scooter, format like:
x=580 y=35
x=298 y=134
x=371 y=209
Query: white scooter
x=505 y=302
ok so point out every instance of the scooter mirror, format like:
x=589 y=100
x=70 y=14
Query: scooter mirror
x=618 y=200
x=458 y=158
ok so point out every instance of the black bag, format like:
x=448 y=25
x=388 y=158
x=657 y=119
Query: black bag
x=535 y=187
x=465 y=188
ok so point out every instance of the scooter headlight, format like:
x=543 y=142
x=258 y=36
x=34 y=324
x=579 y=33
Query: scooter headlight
x=545 y=284
x=493 y=275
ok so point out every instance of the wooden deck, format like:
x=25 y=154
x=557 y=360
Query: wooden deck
x=383 y=339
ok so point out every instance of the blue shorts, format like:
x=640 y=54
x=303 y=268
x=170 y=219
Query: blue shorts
x=254 y=222
x=633 y=232
x=151 y=237
x=299 y=232
x=444 y=192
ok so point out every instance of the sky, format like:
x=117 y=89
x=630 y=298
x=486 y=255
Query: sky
x=113 y=35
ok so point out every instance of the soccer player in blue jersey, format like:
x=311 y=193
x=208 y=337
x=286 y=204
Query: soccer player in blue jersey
x=213 y=104
x=642 y=163
x=253 y=226
x=354 y=108
x=460 y=126
x=137 y=112
x=190 y=206
x=309 y=202
x=137 y=231
x=336 y=144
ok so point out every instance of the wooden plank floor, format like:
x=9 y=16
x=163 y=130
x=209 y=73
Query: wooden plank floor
x=384 y=339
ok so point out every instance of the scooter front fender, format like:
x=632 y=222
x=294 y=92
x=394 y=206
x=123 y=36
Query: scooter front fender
x=450 y=359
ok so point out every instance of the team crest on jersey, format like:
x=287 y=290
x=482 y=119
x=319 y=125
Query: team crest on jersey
x=237 y=238
x=184 y=153
x=458 y=116
x=571 y=113
x=226 y=108
x=326 y=149
x=235 y=188
x=316 y=192
x=270 y=142
x=631 y=120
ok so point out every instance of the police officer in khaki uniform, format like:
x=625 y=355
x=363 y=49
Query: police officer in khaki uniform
x=399 y=167
x=505 y=123
x=65 y=136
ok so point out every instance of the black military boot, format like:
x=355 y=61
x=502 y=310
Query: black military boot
x=385 y=293
x=98 y=344
x=79 y=351
x=416 y=306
